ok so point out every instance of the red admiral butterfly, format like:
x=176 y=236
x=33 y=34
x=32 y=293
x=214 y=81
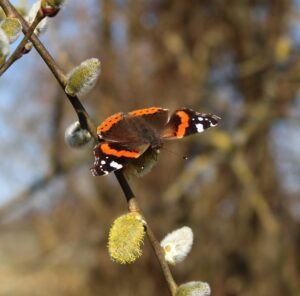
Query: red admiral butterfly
x=125 y=137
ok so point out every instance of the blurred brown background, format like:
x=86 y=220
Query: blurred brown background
x=239 y=189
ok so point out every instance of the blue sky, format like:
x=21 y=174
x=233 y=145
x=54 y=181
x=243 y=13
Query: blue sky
x=23 y=159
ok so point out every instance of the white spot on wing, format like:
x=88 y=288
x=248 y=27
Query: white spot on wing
x=103 y=162
x=199 y=127
x=115 y=165
x=200 y=118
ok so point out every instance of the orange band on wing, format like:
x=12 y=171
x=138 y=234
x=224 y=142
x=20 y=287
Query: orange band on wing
x=109 y=122
x=118 y=153
x=184 y=118
x=145 y=111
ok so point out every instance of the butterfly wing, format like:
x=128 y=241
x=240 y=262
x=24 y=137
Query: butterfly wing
x=123 y=137
x=185 y=122
x=116 y=129
x=153 y=118
x=130 y=128
x=110 y=157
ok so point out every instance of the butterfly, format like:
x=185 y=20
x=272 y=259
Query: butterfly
x=126 y=137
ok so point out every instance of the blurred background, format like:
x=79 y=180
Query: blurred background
x=239 y=190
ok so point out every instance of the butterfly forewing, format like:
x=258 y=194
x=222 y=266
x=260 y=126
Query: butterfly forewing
x=130 y=128
x=116 y=129
x=154 y=118
x=185 y=122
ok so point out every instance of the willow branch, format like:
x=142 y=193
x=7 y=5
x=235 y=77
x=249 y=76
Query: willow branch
x=161 y=259
x=6 y=8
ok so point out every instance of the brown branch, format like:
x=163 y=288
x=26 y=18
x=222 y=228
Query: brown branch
x=161 y=259
x=6 y=8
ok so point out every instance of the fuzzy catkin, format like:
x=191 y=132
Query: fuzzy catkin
x=83 y=78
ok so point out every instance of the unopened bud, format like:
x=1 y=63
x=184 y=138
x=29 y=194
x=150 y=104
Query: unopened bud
x=194 y=289
x=42 y=26
x=12 y=28
x=177 y=245
x=83 y=78
x=51 y=8
x=4 y=46
x=76 y=136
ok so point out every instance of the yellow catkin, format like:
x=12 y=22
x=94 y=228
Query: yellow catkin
x=125 y=238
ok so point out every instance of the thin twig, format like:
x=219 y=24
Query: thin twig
x=161 y=259
x=124 y=185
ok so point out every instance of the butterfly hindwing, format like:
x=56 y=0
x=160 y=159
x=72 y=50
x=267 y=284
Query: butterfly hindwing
x=110 y=157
